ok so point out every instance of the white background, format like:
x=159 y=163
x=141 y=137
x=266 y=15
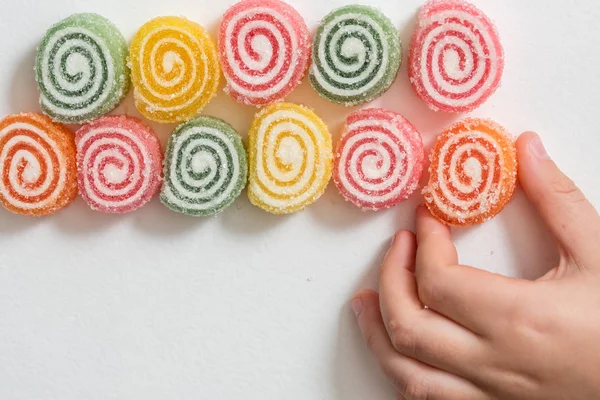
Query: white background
x=155 y=305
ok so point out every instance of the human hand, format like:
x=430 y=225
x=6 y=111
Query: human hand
x=482 y=335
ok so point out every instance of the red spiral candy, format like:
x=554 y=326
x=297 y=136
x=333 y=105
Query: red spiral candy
x=456 y=59
x=379 y=159
x=120 y=164
x=264 y=48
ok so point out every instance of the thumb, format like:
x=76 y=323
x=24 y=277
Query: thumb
x=572 y=219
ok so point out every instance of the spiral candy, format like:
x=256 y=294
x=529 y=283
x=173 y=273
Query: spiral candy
x=456 y=58
x=119 y=164
x=264 y=48
x=174 y=69
x=356 y=55
x=206 y=167
x=379 y=159
x=81 y=69
x=37 y=162
x=473 y=173
x=290 y=155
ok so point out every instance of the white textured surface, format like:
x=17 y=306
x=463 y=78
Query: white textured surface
x=250 y=306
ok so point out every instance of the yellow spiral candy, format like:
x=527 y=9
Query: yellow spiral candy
x=290 y=155
x=174 y=69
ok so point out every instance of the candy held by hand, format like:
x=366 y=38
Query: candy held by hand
x=119 y=164
x=81 y=69
x=379 y=160
x=290 y=154
x=356 y=55
x=37 y=165
x=264 y=48
x=473 y=173
x=456 y=59
x=174 y=69
x=206 y=167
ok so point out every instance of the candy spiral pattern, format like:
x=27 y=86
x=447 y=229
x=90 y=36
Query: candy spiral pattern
x=37 y=162
x=119 y=162
x=206 y=167
x=473 y=173
x=81 y=69
x=379 y=159
x=174 y=69
x=264 y=47
x=456 y=58
x=356 y=55
x=290 y=155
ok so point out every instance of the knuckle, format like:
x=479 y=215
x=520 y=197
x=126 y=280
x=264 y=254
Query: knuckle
x=564 y=186
x=430 y=290
x=404 y=338
x=417 y=387
x=370 y=340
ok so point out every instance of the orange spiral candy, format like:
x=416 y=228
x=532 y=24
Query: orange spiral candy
x=38 y=165
x=473 y=173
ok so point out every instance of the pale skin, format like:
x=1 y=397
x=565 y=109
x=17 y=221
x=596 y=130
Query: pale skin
x=484 y=336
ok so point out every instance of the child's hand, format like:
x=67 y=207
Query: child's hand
x=484 y=336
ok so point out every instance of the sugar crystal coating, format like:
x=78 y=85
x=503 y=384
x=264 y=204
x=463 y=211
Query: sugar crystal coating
x=264 y=49
x=206 y=167
x=37 y=163
x=473 y=173
x=379 y=159
x=174 y=69
x=290 y=155
x=81 y=69
x=119 y=164
x=456 y=59
x=356 y=55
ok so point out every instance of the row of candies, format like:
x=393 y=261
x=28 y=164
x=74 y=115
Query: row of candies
x=116 y=164
x=84 y=69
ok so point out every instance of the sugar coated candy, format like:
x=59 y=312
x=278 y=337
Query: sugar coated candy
x=174 y=69
x=356 y=55
x=206 y=167
x=290 y=155
x=456 y=59
x=473 y=173
x=81 y=69
x=264 y=48
x=379 y=159
x=119 y=164
x=37 y=162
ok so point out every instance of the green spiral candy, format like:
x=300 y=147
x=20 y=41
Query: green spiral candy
x=356 y=55
x=81 y=69
x=206 y=167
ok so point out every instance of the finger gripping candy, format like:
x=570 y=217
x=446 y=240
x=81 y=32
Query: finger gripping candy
x=473 y=173
x=290 y=155
x=264 y=48
x=379 y=159
x=356 y=55
x=456 y=59
x=37 y=163
x=206 y=167
x=81 y=69
x=174 y=69
x=119 y=164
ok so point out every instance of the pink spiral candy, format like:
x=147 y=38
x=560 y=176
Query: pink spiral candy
x=456 y=59
x=379 y=159
x=264 y=47
x=119 y=164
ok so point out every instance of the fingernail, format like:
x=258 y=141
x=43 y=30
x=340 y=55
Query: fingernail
x=537 y=148
x=357 y=306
